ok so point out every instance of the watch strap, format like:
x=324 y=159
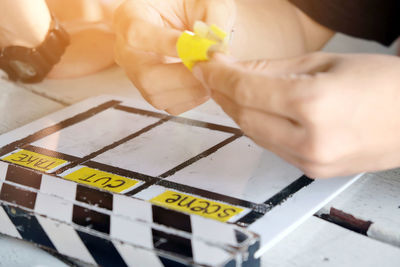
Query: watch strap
x=31 y=65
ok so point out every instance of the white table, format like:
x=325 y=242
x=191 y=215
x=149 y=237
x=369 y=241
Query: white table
x=375 y=197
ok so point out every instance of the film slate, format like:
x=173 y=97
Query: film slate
x=113 y=182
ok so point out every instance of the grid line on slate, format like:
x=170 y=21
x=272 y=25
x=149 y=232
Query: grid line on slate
x=257 y=210
x=57 y=127
x=111 y=146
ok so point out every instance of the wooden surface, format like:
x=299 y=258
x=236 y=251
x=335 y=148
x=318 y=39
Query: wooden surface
x=374 y=198
x=319 y=243
x=19 y=106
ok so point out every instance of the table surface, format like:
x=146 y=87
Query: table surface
x=359 y=227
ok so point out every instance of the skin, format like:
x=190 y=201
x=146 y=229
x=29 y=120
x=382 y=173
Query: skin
x=147 y=32
x=25 y=29
x=149 y=59
x=328 y=114
x=324 y=113
x=26 y=23
x=92 y=40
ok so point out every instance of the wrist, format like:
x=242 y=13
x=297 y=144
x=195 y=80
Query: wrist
x=31 y=65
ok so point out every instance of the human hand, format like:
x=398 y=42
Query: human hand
x=147 y=32
x=330 y=115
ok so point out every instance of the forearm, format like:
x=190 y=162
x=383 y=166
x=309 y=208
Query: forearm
x=23 y=22
x=275 y=29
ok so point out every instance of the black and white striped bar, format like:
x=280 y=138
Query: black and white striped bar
x=79 y=243
x=117 y=218
x=56 y=193
x=170 y=242
x=135 y=209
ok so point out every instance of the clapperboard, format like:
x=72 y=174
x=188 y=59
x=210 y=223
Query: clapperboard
x=113 y=182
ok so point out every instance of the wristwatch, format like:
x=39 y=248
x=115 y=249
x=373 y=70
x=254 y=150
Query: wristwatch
x=31 y=65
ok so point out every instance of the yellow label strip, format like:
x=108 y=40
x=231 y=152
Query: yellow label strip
x=34 y=160
x=103 y=180
x=194 y=205
x=195 y=46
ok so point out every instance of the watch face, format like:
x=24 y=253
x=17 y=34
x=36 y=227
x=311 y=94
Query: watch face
x=23 y=69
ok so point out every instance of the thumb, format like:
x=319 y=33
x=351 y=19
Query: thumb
x=223 y=69
x=218 y=73
x=249 y=85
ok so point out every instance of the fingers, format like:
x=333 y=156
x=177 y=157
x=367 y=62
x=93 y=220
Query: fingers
x=264 y=105
x=151 y=75
x=166 y=86
x=277 y=134
x=255 y=124
x=147 y=33
x=249 y=88
x=155 y=26
x=150 y=38
x=142 y=26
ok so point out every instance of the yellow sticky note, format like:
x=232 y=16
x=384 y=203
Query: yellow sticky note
x=99 y=179
x=195 y=46
x=195 y=205
x=34 y=160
